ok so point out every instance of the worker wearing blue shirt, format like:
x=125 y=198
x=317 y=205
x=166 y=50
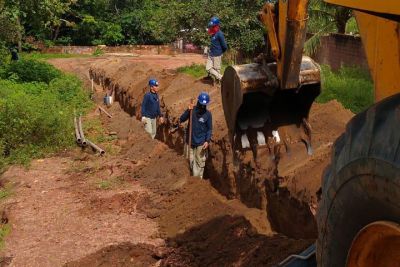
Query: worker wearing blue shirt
x=151 y=109
x=217 y=48
x=201 y=133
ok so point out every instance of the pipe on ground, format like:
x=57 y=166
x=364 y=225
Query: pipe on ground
x=77 y=134
x=105 y=112
x=95 y=147
x=83 y=139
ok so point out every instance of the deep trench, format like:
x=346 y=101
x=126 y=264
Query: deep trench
x=244 y=179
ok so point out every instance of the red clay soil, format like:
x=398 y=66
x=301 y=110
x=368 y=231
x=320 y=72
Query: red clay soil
x=153 y=213
x=251 y=181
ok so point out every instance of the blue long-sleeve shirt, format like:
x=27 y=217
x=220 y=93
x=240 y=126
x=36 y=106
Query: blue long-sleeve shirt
x=151 y=106
x=202 y=126
x=218 y=45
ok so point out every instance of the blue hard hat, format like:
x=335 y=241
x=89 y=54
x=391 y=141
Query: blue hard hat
x=204 y=98
x=214 y=21
x=153 y=82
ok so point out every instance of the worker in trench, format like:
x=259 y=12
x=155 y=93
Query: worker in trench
x=151 y=109
x=218 y=46
x=200 y=127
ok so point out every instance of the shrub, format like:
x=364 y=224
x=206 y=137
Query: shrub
x=111 y=33
x=64 y=40
x=37 y=117
x=4 y=54
x=28 y=70
x=98 y=52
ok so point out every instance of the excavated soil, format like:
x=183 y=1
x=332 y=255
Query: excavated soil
x=155 y=214
x=253 y=181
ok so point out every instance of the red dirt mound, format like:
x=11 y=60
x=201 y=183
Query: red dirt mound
x=246 y=181
x=121 y=255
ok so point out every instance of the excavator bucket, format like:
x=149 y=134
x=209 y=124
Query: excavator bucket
x=258 y=112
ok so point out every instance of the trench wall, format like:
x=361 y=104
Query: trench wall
x=245 y=180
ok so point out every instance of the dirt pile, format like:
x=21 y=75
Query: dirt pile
x=138 y=205
x=121 y=255
x=229 y=241
x=191 y=215
x=251 y=181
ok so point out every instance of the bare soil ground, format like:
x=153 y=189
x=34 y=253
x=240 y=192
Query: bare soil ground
x=138 y=205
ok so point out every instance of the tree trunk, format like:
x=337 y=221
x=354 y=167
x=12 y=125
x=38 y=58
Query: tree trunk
x=342 y=15
x=19 y=34
x=56 y=33
x=341 y=26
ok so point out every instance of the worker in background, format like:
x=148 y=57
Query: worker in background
x=151 y=109
x=201 y=133
x=14 y=54
x=217 y=48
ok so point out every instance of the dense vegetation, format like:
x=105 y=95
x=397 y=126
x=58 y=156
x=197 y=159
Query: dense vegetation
x=37 y=104
x=117 y=22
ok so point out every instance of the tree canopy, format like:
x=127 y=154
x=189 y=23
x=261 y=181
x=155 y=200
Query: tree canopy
x=117 y=22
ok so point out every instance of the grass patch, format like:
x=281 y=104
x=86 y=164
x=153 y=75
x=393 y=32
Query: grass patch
x=194 y=70
x=94 y=130
x=45 y=56
x=197 y=70
x=110 y=183
x=104 y=184
x=5 y=192
x=5 y=229
x=351 y=86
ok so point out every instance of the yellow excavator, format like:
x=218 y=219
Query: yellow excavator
x=359 y=212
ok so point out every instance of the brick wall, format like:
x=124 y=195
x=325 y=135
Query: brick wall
x=136 y=49
x=337 y=50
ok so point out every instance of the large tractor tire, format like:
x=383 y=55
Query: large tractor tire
x=360 y=206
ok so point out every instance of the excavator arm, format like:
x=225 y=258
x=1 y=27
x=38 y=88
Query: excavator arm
x=270 y=99
x=286 y=27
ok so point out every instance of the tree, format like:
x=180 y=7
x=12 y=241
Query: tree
x=325 y=18
x=10 y=27
x=238 y=21
x=38 y=18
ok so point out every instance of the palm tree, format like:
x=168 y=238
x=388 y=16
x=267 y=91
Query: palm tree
x=325 y=18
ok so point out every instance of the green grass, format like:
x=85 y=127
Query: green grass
x=194 y=70
x=351 y=86
x=104 y=184
x=37 y=104
x=94 y=130
x=45 y=56
x=5 y=192
x=5 y=229
x=110 y=183
x=198 y=70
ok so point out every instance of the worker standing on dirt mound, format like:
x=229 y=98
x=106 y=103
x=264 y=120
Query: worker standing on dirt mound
x=200 y=127
x=151 y=109
x=217 y=48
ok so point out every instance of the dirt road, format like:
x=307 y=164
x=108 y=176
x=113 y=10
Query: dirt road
x=138 y=206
